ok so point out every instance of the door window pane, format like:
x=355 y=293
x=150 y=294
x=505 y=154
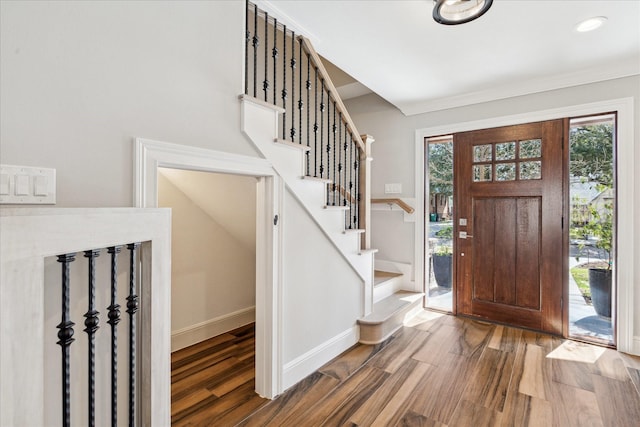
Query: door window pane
x=530 y=170
x=505 y=172
x=481 y=173
x=482 y=153
x=506 y=151
x=531 y=148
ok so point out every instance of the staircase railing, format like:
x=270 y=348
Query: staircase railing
x=283 y=69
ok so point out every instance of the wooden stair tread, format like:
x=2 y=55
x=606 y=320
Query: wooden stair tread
x=380 y=276
x=388 y=307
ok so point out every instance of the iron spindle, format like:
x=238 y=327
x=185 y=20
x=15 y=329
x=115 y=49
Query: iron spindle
x=65 y=338
x=345 y=146
x=308 y=115
x=300 y=102
x=247 y=36
x=350 y=180
x=132 y=308
x=335 y=165
x=356 y=173
x=91 y=324
x=315 y=123
x=284 y=83
x=255 y=42
x=321 y=129
x=340 y=187
x=274 y=53
x=114 y=319
x=293 y=86
x=328 y=148
x=265 y=82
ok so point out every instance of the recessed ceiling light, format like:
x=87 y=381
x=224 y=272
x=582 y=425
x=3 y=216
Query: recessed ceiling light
x=591 y=24
x=453 y=12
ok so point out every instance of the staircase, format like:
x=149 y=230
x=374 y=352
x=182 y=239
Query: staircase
x=292 y=113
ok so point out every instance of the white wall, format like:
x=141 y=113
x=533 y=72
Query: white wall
x=322 y=295
x=213 y=277
x=80 y=80
x=394 y=151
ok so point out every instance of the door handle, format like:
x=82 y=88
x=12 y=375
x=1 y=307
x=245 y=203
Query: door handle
x=464 y=235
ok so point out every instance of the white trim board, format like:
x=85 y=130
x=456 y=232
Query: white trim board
x=626 y=215
x=210 y=328
x=312 y=360
x=150 y=155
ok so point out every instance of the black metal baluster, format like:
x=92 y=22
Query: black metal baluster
x=292 y=132
x=274 y=53
x=308 y=113
x=350 y=180
x=91 y=326
x=322 y=130
x=356 y=165
x=132 y=308
x=340 y=164
x=255 y=41
x=315 y=124
x=265 y=82
x=114 y=319
x=300 y=102
x=284 y=84
x=247 y=36
x=328 y=147
x=65 y=338
x=335 y=164
x=346 y=165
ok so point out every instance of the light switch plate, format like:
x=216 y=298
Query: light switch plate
x=393 y=188
x=27 y=185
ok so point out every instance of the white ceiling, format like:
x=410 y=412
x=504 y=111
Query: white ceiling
x=396 y=49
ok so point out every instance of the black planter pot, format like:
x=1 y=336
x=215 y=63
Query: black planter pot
x=442 y=270
x=600 y=285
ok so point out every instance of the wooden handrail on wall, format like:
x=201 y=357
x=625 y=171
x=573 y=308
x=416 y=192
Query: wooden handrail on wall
x=404 y=206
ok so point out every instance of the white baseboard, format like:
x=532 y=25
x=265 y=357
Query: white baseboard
x=210 y=328
x=636 y=346
x=312 y=360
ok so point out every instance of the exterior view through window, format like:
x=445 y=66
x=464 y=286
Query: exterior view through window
x=439 y=271
x=592 y=204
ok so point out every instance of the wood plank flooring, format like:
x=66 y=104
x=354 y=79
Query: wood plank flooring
x=438 y=370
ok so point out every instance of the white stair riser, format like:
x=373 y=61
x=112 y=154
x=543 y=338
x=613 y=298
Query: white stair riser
x=387 y=288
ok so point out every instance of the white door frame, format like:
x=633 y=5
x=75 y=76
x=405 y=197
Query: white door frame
x=625 y=211
x=150 y=155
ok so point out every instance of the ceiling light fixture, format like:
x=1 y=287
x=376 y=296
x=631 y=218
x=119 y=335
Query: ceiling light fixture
x=591 y=24
x=453 y=12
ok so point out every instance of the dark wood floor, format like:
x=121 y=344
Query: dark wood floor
x=438 y=370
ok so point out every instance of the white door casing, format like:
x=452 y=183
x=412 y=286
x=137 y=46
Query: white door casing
x=150 y=155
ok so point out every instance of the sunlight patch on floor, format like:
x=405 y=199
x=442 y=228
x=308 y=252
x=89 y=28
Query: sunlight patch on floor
x=577 y=352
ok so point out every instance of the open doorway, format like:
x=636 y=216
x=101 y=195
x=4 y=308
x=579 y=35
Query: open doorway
x=439 y=272
x=213 y=291
x=592 y=228
x=213 y=252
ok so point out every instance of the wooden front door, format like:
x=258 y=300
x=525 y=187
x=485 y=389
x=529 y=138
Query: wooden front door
x=509 y=224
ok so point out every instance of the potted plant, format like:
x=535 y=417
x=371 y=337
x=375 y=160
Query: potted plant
x=600 y=226
x=442 y=259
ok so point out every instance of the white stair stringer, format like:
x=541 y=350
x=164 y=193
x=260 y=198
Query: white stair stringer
x=260 y=124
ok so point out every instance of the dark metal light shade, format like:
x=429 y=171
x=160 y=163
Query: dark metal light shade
x=453 y=12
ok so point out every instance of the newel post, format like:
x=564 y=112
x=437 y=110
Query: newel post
x=364 y=203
